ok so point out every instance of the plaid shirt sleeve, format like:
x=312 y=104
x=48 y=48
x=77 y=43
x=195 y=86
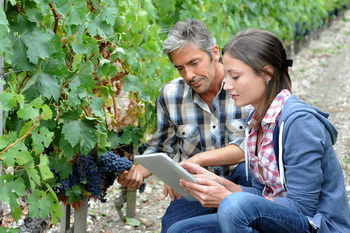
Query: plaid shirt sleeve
x=164 y=139
x=186 y=125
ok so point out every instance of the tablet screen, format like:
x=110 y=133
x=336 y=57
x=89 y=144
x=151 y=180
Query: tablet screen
x=166 y=169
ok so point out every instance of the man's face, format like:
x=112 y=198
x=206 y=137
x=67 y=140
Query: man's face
x=195 y=67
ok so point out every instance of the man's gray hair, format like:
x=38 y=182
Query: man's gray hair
x=190 y=31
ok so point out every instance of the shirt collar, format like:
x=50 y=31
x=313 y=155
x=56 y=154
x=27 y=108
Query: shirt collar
x=274 y=110
x=276 y=106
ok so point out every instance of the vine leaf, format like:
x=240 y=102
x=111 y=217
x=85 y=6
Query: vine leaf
x=96 y=106
x=41 y=138
x=65 y=168
x=47 y=113
x=3 y=19
x=11 y=188
x=20 y=60
x=74 y=194
x=44 y=167
x=7 y=140
x=33 y=175
x=99 y=27
x=56 y=208
x=67 y=149
x=4 y=142
x=41 y=204
x=7 y=101
x=72 y=136
x=22 y=28
x=109 y=15
x=80 y=131
x=5 y=45
x=133 y=222
x=17 y=154
x=27 y=112
x=48 y=86
x=42 y=84
x=133 y=84
x=38 y=44
x=75 y=16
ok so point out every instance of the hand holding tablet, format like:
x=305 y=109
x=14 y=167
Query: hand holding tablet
x=166 y=169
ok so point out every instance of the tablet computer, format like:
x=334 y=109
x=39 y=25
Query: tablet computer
x=166 y=169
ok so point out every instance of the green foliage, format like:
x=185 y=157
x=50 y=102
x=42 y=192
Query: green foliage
x=8 y=230
x=71 y=68
x=85 y=74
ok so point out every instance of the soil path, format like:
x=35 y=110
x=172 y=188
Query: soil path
x=320 y=76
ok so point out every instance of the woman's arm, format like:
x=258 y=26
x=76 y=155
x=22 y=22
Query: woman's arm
x=303 y=151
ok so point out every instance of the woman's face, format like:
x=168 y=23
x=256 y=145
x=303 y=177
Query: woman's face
x=244 y=85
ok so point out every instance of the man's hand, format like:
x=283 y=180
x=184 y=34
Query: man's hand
x=171 y=192
x=132 y=178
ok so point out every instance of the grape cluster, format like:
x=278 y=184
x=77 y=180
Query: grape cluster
x=142 y=148
x=110 y=162
x=142 y=188
x=96 y=173
x=49 y=149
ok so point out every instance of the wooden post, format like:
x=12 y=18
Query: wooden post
x=80 y=217
x=65 y=221
x=130 y=202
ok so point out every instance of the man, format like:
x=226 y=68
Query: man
x=197 y=120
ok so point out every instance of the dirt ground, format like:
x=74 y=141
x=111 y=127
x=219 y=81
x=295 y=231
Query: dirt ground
x=320 y=76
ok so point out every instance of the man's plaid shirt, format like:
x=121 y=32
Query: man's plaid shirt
x=186 y=125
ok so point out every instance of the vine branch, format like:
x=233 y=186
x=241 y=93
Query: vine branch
x=57 y=17
x=24 y=136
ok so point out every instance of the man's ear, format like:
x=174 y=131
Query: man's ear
x=269 y=74
x=216 y=53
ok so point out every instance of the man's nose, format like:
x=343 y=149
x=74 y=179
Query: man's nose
x=189 y=73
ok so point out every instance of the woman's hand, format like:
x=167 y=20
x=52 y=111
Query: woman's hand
x=208 y=191
x=198 y=171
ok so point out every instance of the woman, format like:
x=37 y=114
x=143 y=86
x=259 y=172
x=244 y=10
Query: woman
x=298 y=184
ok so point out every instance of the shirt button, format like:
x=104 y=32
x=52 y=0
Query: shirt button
x=214 y=126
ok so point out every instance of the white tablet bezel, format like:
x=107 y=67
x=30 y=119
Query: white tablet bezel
x=166 y=169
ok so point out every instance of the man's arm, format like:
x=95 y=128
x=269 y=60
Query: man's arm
x=226 y=156
x=161 y=141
